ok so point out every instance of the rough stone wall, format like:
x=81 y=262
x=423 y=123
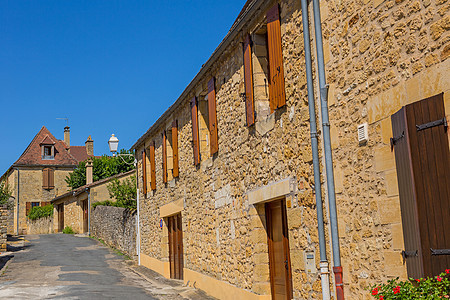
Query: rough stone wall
x=380 y=56
x=224 y=237
x=73 y=214
x=3 y=227
x=116 y=226
x=40 y=226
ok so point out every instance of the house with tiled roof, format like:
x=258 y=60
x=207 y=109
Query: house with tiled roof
x=39 y=174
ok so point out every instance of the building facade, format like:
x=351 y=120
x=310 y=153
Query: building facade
x=39 y=173
x=226 y=176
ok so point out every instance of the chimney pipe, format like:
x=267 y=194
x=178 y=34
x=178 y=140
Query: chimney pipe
x=89 y=172
x=67 y=135
x=89 y=146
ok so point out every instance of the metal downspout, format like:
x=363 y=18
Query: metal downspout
x=324 y=272
x=89 y=210
x=337 y=268
x=18 y=198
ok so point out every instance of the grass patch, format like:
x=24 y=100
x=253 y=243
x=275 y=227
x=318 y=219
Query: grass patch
x=117 y=251
x=68 y=230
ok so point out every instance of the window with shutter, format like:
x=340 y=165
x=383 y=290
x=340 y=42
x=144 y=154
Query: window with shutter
x=45 y=178
x=248 y=79
x=195 y=133
x=164 y=156
x=422 y=157
x=175 y=148
x=152 y=166
x=144 y=172
x=51 y=179
x=28 y=208
x=212 y=116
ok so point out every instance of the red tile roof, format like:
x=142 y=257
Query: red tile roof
x=47 y=141
x=32 y=155
x=79 y=152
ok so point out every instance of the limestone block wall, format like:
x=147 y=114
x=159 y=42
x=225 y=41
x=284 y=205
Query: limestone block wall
x=3 y=227
x=116 y=226
x=73 y=214
x=40 y=226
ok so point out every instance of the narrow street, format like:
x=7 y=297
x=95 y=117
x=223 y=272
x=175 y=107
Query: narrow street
x=61 y=266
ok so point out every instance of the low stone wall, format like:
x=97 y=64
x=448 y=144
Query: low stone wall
x=3 y=227
x=116 y=226
x=40 y=226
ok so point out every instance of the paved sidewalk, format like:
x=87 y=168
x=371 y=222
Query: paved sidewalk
x=59 y=266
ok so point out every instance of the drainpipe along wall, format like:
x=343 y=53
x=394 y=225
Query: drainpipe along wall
x=323 y=87
x=315 y=153
x=18 y=197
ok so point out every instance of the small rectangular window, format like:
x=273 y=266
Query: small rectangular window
x=48 y=152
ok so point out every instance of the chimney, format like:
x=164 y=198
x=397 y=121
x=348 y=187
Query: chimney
x=67 y=135
x=89 y=172
x=89 y=146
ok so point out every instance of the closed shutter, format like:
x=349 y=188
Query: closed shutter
x=164 y=156
x=212 y=116
x=28 y=207
x=424 y=182
x=277 y=95
x=144 y=172
x=175 y=148
x=44 y=203
x=195 y=137
x=51 y=179
x=248 y=79
x=152 y=166
x=45 y=178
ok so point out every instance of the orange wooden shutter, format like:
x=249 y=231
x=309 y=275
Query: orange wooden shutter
x=152 y=166
x=51 y=179
x=45 y=203
x=195 y=137
x=164 y=154
x=248 y=78
x=212 y=116
x=144 y=172
x=277 y=95
x=28 y=207
x=175 y=148
x=45 y=178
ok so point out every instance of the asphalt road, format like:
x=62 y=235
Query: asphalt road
x=60 y=266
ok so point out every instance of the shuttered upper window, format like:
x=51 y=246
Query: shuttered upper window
x=144 y=171
x=175 y=170
x=48 y=179
x=152 y=166
x=164 y=156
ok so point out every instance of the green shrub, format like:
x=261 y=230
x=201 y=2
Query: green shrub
x=5 y=192
x=437 y=287
x=104 y=203
x=68 y=230
x=38 y=212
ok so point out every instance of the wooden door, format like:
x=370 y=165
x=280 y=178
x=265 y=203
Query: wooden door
x=61 y=217
x=175 y=246
x=84 y=207
x=279 y=258
x=422 y=156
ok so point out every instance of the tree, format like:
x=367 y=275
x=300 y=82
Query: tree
x=5 y=193
x=124 y=192
x=103 y=167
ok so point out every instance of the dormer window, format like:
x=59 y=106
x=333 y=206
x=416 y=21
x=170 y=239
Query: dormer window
x=48 y=152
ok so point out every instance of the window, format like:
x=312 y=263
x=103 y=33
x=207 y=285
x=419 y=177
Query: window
x=263 y=69
x=29 y=206
x=170 y=152
x=33 y=204
x=144 y=172
x=48 y=152
x=48 y=180
x=152 y=166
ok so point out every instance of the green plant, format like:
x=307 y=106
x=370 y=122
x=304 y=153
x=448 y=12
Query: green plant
x=38 y=212
x=104 y=203
x=68 y=230
x=103 y=167
x=431 y=288
x=5 y=192
x=124 y=192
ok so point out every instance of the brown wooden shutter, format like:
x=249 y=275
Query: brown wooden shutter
x=152 y=166
x=144 y=172
x=51 y=179
x=248 y=79
x=175 y=148
x=164 y=156
x=28 y=207
x=277 y=95
x=45 y=178
x=195 y=137
x=212 y=116
x=422 y=166
x=44 y=203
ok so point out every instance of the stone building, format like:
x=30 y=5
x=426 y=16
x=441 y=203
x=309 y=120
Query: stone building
x=39 y=173
x=226 y=175
x=72 y=208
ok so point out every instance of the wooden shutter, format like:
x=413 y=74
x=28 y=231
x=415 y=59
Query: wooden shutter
x=51 y=179
x=212 y=116
x=248 y=79
x=195 y=137
x=175 y=148
x=44 y=203
x=144 y=172
x=152 y=166
x=277 y=95
x=164 y=156
x=45 y=178
x=28 y=207
x=424 y=184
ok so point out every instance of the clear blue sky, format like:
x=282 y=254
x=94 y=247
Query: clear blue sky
x=109 y=66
